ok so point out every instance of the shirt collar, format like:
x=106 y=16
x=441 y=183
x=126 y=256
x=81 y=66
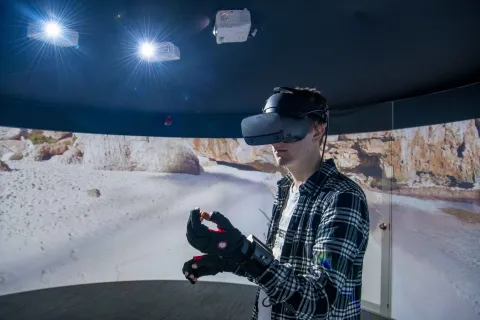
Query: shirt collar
x=315 y=181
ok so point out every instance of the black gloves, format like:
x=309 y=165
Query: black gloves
x=226 y=242
x=207 y=265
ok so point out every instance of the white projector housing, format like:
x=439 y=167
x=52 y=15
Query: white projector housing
x=167 y=51
x=232 y=26
x=62 y=37
x=163 y=51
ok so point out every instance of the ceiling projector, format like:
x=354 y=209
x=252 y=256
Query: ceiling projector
x=232 y=26
x=53 y=33
x=167 y=51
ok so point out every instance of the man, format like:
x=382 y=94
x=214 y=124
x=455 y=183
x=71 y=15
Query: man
x=311 y=266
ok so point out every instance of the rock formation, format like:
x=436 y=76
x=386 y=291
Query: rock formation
x=4 y=167
x=36 y=145
x=71 y=156
x=438 y=160
x=236 y=151
x=12 y=149
x=431 y=161
x=7 y=133
x=95 y=193
x=126 y=153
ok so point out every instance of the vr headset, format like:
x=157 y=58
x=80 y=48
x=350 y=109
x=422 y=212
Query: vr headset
x=284 y=118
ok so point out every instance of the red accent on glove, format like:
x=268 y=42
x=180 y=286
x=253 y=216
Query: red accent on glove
x=196 y=258
x=219 y=230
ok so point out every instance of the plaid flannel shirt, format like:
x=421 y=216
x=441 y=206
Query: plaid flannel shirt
x=319 y=275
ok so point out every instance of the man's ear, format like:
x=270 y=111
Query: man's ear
x=318 y=131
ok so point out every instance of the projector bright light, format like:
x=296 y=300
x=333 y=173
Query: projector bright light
x=53 y=33
x=232 y=26
x=147 y=50
x=52 y=29
x=155 y=52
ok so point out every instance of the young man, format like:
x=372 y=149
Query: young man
x=311 y=266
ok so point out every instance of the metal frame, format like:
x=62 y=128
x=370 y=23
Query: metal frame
x=386 y=282
x=385 y=307
x=386 y=263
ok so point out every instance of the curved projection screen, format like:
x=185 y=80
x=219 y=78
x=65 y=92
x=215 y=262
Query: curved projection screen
x=79 y=208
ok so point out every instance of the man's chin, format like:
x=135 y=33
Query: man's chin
x=282 y=162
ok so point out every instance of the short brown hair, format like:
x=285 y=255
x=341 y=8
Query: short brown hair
x=318 y=99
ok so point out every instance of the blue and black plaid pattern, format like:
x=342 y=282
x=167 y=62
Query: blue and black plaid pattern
x=319 y=275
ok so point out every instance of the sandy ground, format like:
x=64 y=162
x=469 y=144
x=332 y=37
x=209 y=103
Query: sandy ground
x=436 y=261
x=53 y=234
x=435 y=258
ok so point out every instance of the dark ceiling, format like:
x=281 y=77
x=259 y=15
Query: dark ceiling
x=356 y=52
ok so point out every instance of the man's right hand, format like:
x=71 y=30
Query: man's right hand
x=207 y=265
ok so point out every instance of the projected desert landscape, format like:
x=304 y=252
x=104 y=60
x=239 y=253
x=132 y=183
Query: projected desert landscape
x=80 y=208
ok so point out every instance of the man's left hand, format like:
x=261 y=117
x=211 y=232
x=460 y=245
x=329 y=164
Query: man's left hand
x=227 y=241
x=207 y=265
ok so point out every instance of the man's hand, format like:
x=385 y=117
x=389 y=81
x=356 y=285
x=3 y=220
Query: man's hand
x=227 y=241
x=207 y=265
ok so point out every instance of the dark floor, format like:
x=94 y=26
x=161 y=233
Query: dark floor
x=145 y=300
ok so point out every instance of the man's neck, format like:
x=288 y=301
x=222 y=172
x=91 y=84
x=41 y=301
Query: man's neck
x=301 y=173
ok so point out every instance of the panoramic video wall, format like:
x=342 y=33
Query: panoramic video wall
x=79 y=208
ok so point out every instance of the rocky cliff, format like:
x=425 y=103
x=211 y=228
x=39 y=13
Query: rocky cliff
x=433 y=161
x=236 y=151
x=103 y=152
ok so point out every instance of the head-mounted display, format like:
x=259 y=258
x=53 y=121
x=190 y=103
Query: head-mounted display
x=284 y=118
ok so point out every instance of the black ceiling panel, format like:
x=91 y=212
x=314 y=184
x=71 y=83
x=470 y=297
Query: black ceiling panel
x=357 y=53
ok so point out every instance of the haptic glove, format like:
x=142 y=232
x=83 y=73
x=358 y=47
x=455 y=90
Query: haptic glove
x=227 y=241
x=207 y=265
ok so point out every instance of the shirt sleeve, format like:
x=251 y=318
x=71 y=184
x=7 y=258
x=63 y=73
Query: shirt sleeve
x=337 y=243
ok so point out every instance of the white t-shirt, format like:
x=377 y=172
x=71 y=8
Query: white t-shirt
x=265 y=313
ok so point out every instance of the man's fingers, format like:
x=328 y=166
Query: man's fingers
x=195 y=225
x=191 y=277
x=188 y=273
x=221 y=221
x=189 y=268
x=204 y=216
x=195 y=217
